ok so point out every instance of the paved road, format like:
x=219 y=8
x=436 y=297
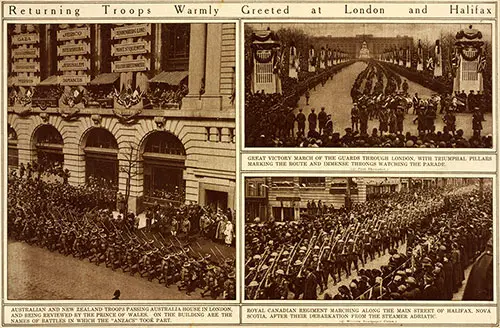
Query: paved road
x=34 y=273
x=335 y=96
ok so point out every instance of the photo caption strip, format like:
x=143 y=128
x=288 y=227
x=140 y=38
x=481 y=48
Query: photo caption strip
x=119 y=314
x=365 y=314
x=330 y=161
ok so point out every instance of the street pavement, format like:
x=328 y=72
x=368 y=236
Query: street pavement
x=335 y=96
x=35 y=273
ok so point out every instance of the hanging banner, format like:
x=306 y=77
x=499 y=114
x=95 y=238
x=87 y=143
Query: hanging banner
x=73 y=79
x=28 y=38
x=73 y=34
x=135 y=48
x=29 y=67
x=73 y=65
x=73 y=49
x=134 y=65
x=26 y=80
x=25 y=53
x=130 y=31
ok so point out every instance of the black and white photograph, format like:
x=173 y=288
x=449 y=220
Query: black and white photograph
x=404 y=85
x=369 y=238
x=121 y=161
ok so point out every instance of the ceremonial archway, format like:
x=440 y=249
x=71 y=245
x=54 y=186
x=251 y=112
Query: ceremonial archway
x=12 y=150
x=48 y=145
x=163 y=157
x=101 y=156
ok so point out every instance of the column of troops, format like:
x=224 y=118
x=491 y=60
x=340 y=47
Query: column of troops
x=432 y=237
x=64 y=219
x=377 y=94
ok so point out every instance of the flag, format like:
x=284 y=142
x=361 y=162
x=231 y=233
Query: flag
x=481 y=67
x=455 y=60
x=420 y=52
x=293 y=53
x=437 y=53
x=438 y=60
x=430 y=64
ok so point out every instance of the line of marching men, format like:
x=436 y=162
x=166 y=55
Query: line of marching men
x=302 y=259
x=40 y=215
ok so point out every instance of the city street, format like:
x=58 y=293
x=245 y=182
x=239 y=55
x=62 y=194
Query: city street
x=335 y=96
x=35 y=273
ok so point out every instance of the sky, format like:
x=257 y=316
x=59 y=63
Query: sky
x=424 y=31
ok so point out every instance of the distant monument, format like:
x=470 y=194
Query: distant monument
x=364 y=52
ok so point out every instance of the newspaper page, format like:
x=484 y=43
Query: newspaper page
x=249 y=163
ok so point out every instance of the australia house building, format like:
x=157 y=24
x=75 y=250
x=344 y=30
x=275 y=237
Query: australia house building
x=149 y=108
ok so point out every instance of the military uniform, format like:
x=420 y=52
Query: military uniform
x=301 y=122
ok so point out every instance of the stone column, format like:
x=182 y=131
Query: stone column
x=96 y=56
x=212 y=99
x=269 y=208
x=157 y=49
x=197 y=46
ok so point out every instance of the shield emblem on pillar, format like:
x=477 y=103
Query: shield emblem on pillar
x=470 y=53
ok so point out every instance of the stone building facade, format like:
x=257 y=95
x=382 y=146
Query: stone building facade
x=158 y=114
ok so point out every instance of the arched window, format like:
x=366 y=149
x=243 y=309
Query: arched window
x=48 y=134
x=101 y=161
x=101 y=138
x=12 y=151
x=164 y=157
x=164 y=143
x=49 y=145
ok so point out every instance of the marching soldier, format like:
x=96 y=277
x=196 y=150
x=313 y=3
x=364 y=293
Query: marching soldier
x=290 y=123
x=312 y=120
x=354 y=117
x=310 y=285
x=363 y=120
x=342 y=260
x=230 y=287
x=477 y=125
x=301 y=122
x=322 y=118
x=352 y=255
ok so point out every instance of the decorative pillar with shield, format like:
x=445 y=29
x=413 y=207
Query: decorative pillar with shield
x=266 y=60
x=469 y=61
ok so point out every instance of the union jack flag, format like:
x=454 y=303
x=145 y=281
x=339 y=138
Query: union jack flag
x=430 y=64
